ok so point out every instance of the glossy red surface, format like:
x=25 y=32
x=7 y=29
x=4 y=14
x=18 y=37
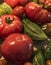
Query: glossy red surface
x=17 y=48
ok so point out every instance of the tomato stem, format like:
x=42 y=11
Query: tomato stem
x=37 y=1
x=8 y=20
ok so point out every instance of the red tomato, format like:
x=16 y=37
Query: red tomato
x=38 y=15
x=17 y=48
x=12 y=3
x=48 y=62
x=42 y=1
x=47 y=4
x=9 y=24
x=27 y=63
x=18 y=11
x=23 y=2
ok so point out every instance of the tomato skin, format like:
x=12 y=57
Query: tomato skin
x=42 y=1
x=1 y=25
x=23 y=2
x=47 y=4
x=35 y=13
x=31 y=9
x=12 y=3
x=27 y=63
x=17 y=48
x=48 y=62
x=14 y=27
x=18 y=11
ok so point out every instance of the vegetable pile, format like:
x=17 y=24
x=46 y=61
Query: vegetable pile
x=25 y=32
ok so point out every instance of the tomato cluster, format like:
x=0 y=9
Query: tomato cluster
x=17 y=47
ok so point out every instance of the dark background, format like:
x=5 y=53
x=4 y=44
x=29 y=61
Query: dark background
x=1 y=1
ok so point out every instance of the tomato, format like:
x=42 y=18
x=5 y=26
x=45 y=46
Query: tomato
x=36 y=13
x=31 y=9
x=9 y=24
x=48 y=62
x=46 y=4
x=47 y=28
x=17 y=48
x=18 y=11
x=12 y=3
x=23 y=2
x=27 y=63
x=42 y=1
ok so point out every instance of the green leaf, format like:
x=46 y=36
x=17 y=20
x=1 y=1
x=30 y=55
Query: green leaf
x=34 y=31
x=48 y=51
x=39 y=58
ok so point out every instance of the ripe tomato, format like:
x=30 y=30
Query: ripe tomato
x=27 y=63
x=23 y=2
x=9 y=24
x=37 y=14
x=48 y=62
x=18 y=11
x=12 y=3
x=46 y=4
x=17 y=48
x=42 y=1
